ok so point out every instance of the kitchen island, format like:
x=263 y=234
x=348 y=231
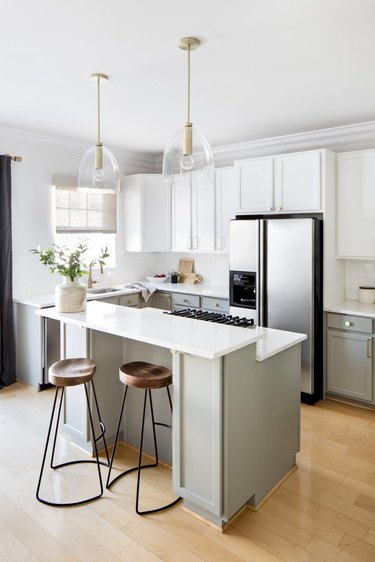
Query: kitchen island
x=236 y=395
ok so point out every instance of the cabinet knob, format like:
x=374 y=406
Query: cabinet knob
x=217 y=304
x=270 y=208
x=278 y=208
x=185 y=300
x=347 y=323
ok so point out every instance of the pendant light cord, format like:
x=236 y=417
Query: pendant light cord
x=98 y=139
x=188 y=85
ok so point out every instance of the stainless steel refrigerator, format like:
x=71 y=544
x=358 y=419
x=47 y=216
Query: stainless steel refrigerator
x=276 y=278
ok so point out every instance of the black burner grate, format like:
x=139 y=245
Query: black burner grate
x=217 y=317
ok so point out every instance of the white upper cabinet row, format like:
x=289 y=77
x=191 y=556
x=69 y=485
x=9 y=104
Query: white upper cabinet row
x=195 y=217
x=286 y=183
x=356 y=205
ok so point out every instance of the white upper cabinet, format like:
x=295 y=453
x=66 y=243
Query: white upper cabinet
x=356 y=204
x=147 y=213
x=285 y=183
x=298 y=182
x=225 y=206
x=254 y=185
x=193 y=215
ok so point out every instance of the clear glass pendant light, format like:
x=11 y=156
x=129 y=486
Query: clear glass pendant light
x=98 y=169
x=188 y=151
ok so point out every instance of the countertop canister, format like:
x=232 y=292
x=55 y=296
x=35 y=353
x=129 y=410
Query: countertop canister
x=366 y=295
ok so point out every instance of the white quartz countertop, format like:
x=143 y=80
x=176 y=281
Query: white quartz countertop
x=354 y=307
x=185 y=335
x=48 y=299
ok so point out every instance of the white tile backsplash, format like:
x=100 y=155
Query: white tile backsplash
x=30 y=276
x=358 y=273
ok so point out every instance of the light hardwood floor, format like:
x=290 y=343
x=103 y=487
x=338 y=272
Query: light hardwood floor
x=324 y=511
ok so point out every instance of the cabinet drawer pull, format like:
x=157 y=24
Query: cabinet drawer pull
x=347 y=323
x=185 y=300
x=217 y=304
x=369 y=341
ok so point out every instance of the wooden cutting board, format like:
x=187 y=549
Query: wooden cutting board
x=186 y=265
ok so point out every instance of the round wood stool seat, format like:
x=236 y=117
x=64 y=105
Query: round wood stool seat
x=145 y=375
x=71 y=372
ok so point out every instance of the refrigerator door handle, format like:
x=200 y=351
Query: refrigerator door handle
x=260 y=280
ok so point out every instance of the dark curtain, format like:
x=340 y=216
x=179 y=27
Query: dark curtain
x=7 y=352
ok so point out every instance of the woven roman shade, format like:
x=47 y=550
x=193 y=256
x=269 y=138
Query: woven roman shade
x=78 y=211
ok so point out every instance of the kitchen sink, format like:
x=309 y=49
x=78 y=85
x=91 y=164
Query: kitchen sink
x=103 y=290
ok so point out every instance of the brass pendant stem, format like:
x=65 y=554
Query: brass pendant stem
x=98 y=156
x=98 y=136
x=188 y=140
x=188 y=84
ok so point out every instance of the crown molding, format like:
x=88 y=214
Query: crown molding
x=344 y=138
x=130 y=161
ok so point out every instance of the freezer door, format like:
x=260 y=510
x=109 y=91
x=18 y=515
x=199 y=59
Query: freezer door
x=289 y=274
x=243 y=245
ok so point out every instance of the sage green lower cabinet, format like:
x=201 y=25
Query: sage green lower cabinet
x=350 y=364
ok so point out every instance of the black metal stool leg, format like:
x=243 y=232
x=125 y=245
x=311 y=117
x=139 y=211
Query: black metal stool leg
x=174 y=502
x=95 y=447
x=108 y=484
x=56 y=428
x=102 y=426
x=46 y=447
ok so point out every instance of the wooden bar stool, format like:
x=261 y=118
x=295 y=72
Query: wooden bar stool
x=73 y=372
x=148 y=377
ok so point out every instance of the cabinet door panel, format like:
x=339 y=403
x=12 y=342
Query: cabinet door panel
x=254 y=183
x=181 y=215
x=225 y=206
x=298 y=182
x=203 y=216
x=349 y=365
x=156 y=215
x=356 y=205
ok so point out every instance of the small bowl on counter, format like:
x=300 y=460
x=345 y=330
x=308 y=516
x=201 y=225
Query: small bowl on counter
x=157 y=279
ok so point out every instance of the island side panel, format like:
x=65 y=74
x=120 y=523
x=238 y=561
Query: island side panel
x=107 y=351
x=197 y=433
x=261 y=423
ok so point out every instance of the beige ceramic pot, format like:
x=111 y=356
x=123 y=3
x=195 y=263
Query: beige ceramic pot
x=366 y=295
x=70 y=296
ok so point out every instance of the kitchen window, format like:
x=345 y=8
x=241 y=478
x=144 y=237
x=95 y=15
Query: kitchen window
x=85 y=216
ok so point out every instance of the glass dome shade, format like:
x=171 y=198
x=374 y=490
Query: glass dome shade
x=105 y=179
x=175 y=163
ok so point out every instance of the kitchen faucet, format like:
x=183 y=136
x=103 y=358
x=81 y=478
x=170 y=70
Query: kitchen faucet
x=90 y=280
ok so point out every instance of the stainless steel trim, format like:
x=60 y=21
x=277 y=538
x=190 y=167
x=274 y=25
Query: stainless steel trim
x=260 y=281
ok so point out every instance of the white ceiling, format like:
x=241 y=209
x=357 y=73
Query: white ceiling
x=265 y=67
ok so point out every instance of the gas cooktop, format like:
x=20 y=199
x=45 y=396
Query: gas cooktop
x=229 y=320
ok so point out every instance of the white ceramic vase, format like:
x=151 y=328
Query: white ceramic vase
x=70 y=296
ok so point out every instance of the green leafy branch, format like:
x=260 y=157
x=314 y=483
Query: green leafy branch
x=69 y=263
